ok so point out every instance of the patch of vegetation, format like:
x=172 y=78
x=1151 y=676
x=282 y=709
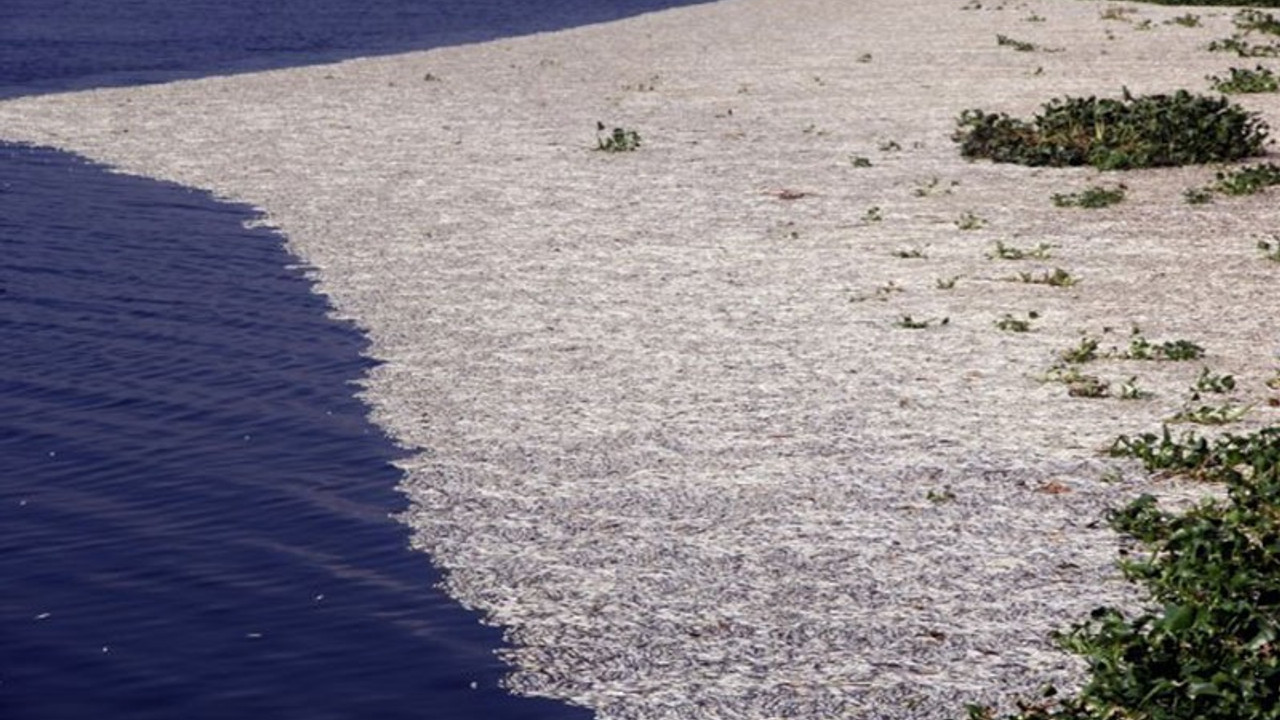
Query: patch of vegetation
x=1251 y=20
x=1043 y=251
x=1022 y=45
x=1129 y=390
x=1270 y=249
x=1141 y=348
x=1211 y=382
x=1200 y=458
x=1086 y=351
x=1242 y=80
x=1009 y=323
x=1058 y=278
x=910 y=254
x=1088 y=386
x=1211 y=414
x=859 y=161
x=1094 y=197
x=1206 y=3
x=1248 y=21
x=1197 y=196
x=1147 y=131
x=947 y=283
x=1117 y=12
x=969 y=221
x=873 y=215
x=938 y=497
x=1188 y=20
x=1208 y=645
x=1247 y=180
x=910 y=323
x=933 y=186
x=1244 y=48
x=619 y=140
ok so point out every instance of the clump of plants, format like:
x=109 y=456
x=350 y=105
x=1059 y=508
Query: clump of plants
x=1091 y=198
x=1208 y=645
x=619 y=140
x=1141 y=348
x=1249 y=21
x=970 y=221
x=1043 y=251
x=1243 y=80
x=1270 y=248
x=1110 y=134
x=1022 y=45
x=909 y=323
x=1058 y=278
x=1247 y=180
x=1010 y=323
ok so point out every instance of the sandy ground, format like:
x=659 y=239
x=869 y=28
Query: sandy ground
x=666 y=426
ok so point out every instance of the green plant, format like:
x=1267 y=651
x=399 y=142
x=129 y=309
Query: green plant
x=1094 y=197
x=1129 y=390
x=1207 y=647
x=890 y=146
x=1057 y=278
x=1088 y=386
x=1009 y=323
x=1270 y=248
x=938 y=497
x=1043 y=251
x=1019 y=45
x=1211 y=414
x=1197 y=196
x=909 y=254
x=873 y=215
x=1200 y=458
x=1250 y=20
x=1242 y=80
x=859 y=161
x=1116 y=12
x=1142 y=349
x=1247 y=180
x=1243 y=48
x=947 y=283
x=1187 y=20
x=1147 y=131
x=969 y=221
x=910 y=323
x=1086 y=351
x=933 y=186
x=619 y=140
x=1211 y=382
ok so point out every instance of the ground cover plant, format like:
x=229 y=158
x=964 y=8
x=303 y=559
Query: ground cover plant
x=1247 y=180
x=1094 y=197
x=1043 y=251
x=1111 y=134
x=1233 y=3
x=1057 y=278
x=1243 y=80
x=1248 y=21
x=1208 y=645
x=1270 y=249
x=620 y=140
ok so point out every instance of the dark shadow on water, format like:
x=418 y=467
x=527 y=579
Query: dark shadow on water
x=193 y=508
x=56 y=45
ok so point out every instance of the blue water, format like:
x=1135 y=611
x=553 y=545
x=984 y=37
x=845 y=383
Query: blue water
x=194 y=511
